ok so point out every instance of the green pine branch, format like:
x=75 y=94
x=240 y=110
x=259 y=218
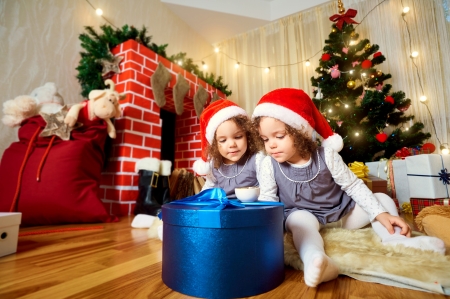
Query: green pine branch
x=98 y=45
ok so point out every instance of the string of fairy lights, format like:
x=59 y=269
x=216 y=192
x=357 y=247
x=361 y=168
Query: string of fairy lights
x=444 y=147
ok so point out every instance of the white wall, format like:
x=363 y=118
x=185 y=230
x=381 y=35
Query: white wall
x=39 y=42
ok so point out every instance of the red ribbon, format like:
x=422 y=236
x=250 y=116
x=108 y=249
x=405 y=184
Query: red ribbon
x=347 y=18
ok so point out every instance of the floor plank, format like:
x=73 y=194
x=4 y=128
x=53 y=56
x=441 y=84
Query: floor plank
x=117 y=261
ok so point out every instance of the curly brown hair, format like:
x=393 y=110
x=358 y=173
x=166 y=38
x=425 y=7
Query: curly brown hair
x=302 y=142
x=245 y=124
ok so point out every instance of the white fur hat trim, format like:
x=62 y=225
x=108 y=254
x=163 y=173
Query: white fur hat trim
x=283 y=114
x=335 y=142
x=201 y=167
x=220 y=117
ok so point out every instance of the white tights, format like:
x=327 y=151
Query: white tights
x=318 y=267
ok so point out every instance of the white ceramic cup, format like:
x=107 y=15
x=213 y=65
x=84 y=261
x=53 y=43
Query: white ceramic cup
x=247 y=194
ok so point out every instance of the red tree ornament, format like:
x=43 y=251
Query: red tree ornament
x=381 y=137
x=326 y=57
x=377 y=54
x=389 y=99
x=428 y=148
x=366 y=64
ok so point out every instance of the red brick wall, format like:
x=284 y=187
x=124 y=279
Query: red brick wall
x=139 y=128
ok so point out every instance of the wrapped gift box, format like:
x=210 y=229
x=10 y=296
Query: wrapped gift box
x=401 y=184
x=376 y=184
x=229 y=253
x=418 y=204
x=378 y=169
x=9 y=232
x=427 y=175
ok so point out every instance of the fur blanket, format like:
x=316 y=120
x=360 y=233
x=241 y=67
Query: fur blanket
x=360 y=255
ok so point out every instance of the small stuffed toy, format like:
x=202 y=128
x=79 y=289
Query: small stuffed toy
x=42 y=99
x=103 y=104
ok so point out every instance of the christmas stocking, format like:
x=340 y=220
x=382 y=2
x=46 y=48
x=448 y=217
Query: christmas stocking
x=200 y=98
x=215 y=97
x=159 y=81
x=180 y=90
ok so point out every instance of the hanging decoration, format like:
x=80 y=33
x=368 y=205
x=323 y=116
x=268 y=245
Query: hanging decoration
x=345 y=50
x=403 y=108
x=180 y=90
x=389 y=99
x=344 y=18
x=335 y=73
x=351 y=84
x=381 y=136
x=366 y=64
x=326 y=57
x=377 y=54
x=110 y=66
x=160 y=78
x=339 y=123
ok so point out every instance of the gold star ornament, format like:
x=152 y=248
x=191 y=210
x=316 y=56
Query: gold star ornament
x=56 y=126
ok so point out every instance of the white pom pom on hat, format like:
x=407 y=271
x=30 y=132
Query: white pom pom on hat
x=210 y=119
x=295 y=108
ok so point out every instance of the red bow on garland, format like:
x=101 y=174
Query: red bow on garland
x=347 y=18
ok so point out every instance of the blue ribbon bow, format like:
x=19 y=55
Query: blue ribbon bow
x=444 y=176
x=214 y=198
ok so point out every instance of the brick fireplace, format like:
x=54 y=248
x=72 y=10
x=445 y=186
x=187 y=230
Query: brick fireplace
x=140 y=127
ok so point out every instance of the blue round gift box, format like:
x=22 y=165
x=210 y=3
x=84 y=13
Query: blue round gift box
x=229 y=253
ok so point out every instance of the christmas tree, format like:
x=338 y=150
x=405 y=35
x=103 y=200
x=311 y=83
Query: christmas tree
x=351 y=93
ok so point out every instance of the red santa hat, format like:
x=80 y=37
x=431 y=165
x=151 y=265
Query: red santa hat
x=295 y=108
x=210 y=119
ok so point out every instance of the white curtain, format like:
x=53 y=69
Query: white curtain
x=286 y=44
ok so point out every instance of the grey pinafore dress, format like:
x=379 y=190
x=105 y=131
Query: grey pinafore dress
x=319 y=194
x=228 y=176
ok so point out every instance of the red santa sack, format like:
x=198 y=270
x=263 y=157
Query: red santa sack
x=52 y=181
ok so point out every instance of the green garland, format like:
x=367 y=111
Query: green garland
x=98 y=46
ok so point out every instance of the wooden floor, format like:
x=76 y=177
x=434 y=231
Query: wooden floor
x=117 y=261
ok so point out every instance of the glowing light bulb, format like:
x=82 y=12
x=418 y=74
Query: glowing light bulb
x=414 y=54
x=356 y=134
x=351 y=72
x=353 y=42
x=267 y=69
x=407 y=129
x=307 y=63
x=99 y=11
x=236 y=66
x=423 y=99
x=444 y=149
x=346 y=106
x=363 y=74
x=330 y=110
x=205 y=66
x=180 y=62
x=216 y=50
x=405 y=9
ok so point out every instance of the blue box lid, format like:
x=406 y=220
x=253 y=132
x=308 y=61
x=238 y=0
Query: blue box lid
x=253 y=214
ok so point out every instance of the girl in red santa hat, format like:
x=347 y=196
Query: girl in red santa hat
x=317 y=188
x=230 y=156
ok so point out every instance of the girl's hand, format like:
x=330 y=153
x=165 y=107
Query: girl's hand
x=389 y=221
